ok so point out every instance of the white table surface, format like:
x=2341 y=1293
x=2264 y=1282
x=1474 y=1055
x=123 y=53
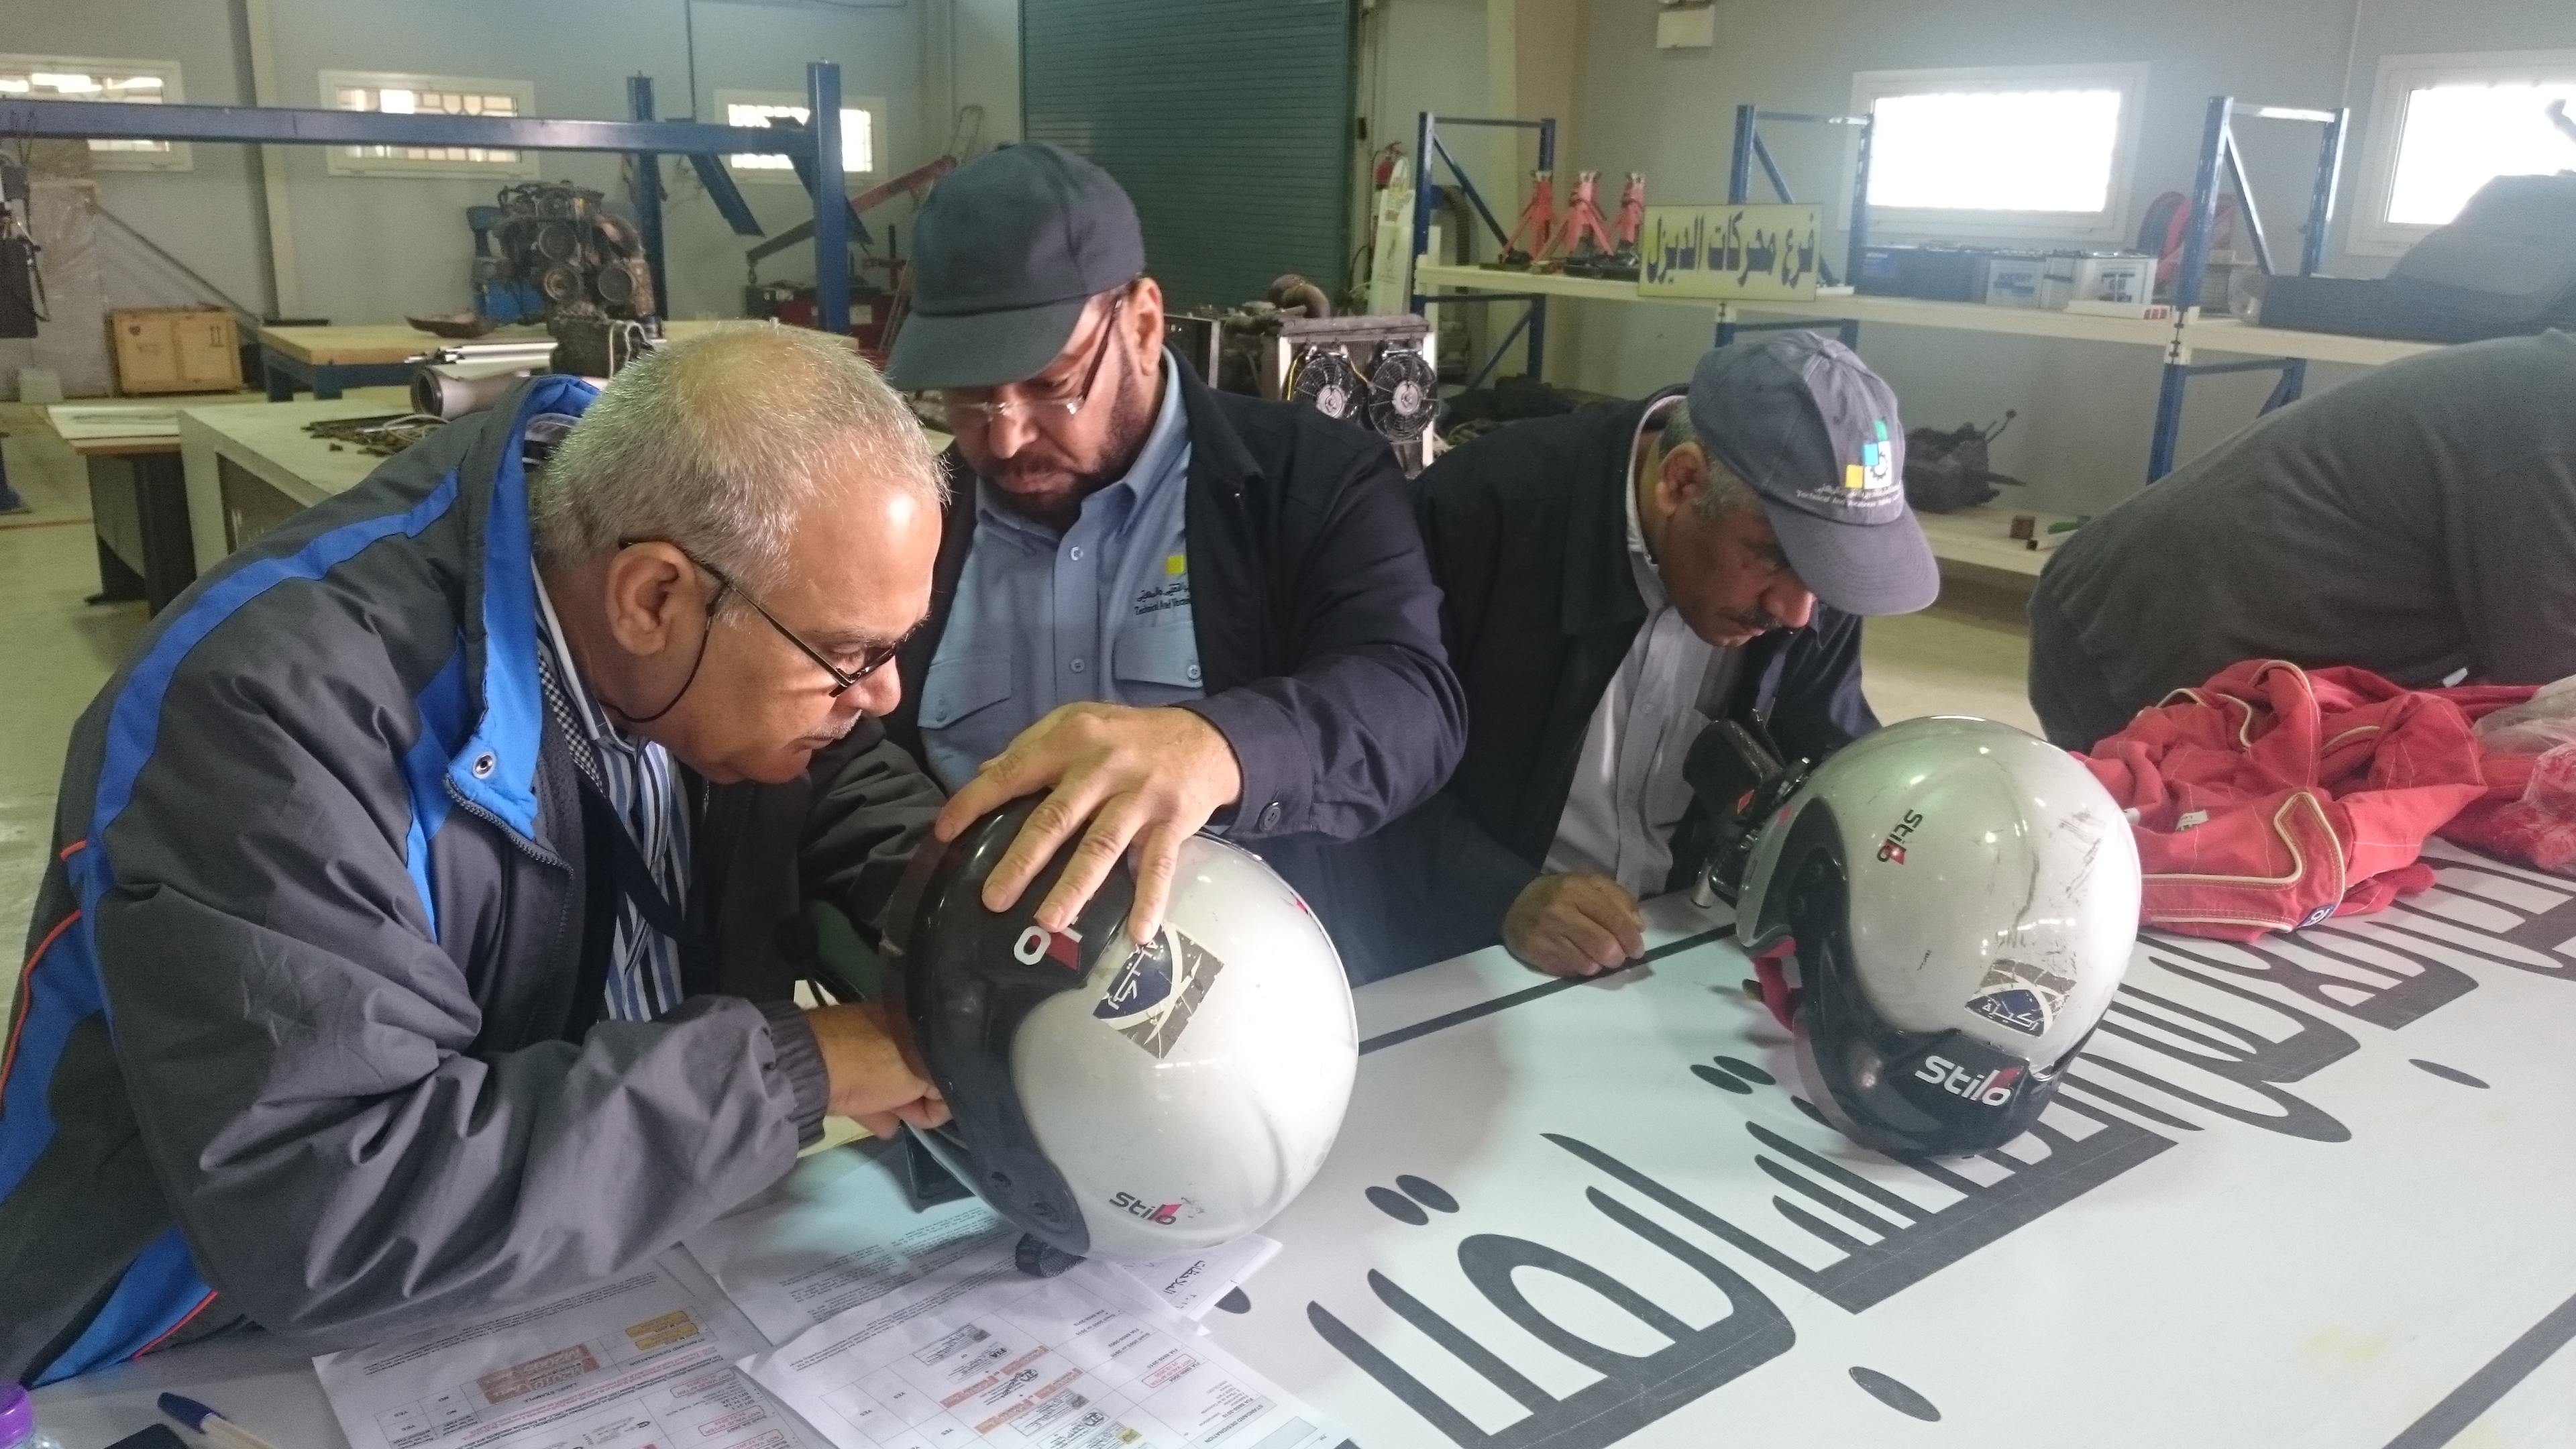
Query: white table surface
x=2294 y=1230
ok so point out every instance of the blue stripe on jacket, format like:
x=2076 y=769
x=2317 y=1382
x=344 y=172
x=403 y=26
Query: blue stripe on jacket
x=161 y=1288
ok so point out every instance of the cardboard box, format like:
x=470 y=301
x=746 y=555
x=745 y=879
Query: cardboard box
x=175 y=349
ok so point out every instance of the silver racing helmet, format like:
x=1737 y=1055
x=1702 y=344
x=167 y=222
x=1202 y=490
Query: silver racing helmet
x=1940 y=914
x=1113 y=1100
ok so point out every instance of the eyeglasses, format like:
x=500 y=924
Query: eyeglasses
x=985 y=414
x=876 y=657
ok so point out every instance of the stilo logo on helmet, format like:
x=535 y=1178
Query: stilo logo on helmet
x=1159 y=1214
x=1993 y=1089
x=1892 y=850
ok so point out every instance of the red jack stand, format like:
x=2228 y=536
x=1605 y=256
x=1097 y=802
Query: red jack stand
x=1583 y=225
x=1538 y=224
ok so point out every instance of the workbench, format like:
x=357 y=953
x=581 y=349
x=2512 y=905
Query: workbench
x=250 y=469
x=2311 y=1192
x=328 y=360
x=137 y=498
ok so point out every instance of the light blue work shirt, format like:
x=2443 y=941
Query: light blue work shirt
x=1101 y=612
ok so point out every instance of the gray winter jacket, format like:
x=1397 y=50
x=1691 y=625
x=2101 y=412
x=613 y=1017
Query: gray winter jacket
x=309 y=1034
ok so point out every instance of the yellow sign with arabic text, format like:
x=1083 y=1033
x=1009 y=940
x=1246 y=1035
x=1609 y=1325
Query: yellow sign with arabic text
x=1731 y=253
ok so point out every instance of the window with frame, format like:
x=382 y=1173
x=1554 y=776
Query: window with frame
x=90 y=78
x=2441 y=126
x=2037 y=151
x=413 y=95
x=758 y=108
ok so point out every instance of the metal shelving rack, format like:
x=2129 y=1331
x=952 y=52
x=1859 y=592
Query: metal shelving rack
x=2178 y=338
x=814 y=150
x=1427 y=147
x=1739 y=192
x=2218 y=153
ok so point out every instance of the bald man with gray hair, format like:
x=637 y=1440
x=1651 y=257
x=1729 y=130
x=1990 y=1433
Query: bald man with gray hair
x=438 y=857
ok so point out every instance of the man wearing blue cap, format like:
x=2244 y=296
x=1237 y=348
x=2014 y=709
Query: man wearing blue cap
x=1617 y=578
x=1166 y=607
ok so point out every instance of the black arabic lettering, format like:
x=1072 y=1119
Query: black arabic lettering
x=1759 y=256
x=1633 y=1391
x=2336 y=969
x=2501 y=917
x=1906 y=1241
x=2227 y=1050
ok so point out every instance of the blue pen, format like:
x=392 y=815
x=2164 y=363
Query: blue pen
x=214 y=1426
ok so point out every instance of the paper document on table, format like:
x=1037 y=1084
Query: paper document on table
x=625 y=1364
x=841 y=1232
x=838 y=1233
x=1082 y=1361
x=1191 y=1283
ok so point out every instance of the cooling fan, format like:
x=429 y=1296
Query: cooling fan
x=1403 y=394
x=1326 y=381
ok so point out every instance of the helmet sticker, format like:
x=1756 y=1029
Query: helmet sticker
x=2022 y=996
x=1151 y=998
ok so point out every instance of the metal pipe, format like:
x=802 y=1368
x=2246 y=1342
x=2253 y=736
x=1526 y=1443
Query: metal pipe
x=1547 y=144
x=648 y=192
x=2204 y=209
x=2321 y=196
x=1423 y=194
x=1739 y=166
x=2245 y=203
x=1474 y=198
x=1858 y=249
x=1771 y=169
x=286 y=125
x=831 y=200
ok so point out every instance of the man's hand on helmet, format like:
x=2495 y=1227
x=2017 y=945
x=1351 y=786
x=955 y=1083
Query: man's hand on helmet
x=874 y=1075
x=1147 y=778
x=1574 y=925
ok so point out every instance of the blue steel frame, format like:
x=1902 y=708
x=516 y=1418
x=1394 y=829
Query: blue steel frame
x=1425 y=190
x=1739 y=192
x=2218 y=153
x=643 y=137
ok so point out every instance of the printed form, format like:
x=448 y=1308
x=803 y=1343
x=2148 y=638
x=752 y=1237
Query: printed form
x=979 y=1353
x=633 y=1363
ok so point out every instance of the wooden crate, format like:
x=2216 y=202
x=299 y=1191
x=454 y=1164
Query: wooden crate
x=175 y=349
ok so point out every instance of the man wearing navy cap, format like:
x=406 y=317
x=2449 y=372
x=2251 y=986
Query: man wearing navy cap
x=1617 y=578
x=1166 y=607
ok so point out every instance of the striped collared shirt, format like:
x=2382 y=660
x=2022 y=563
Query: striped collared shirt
x=638 y=781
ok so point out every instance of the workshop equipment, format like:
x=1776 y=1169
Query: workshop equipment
x=1376 y=372
x=876 y=313
x=588 y=265
x=1537 y=225
x=498 y=298
x=22 y=286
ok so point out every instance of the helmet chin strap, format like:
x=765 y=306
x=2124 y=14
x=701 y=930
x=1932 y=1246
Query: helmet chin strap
x=1777 y=994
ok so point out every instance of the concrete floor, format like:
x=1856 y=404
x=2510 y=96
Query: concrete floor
x=55 y=652
x=1966 y=655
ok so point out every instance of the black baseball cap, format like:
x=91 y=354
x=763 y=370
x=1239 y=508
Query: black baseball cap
x=1005 y=253
x=1804 y=421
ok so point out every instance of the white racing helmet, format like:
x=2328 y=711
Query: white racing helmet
x=1118 y=1101
x=1960 y=900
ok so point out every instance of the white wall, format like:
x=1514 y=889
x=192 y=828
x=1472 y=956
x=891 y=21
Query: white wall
x=2086 y=409
x=369 y=249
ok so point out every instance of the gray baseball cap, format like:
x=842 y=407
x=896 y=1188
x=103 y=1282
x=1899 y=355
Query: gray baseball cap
x=1804 y=421
x=1004 y=254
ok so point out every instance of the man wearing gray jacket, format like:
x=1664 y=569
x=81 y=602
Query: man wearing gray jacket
x=414 y=938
